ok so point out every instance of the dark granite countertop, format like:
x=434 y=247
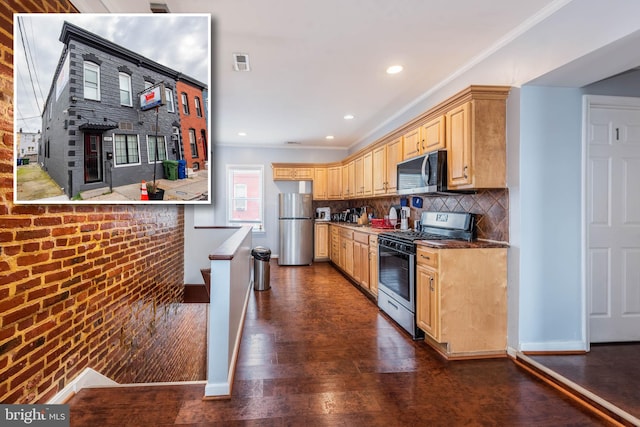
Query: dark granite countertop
x=460 y=244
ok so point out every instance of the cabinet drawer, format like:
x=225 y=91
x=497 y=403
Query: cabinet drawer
x=428 y=257
x=361 y=238
x=347 y=234
x=373 y=240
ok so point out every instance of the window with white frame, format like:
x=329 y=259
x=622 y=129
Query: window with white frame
x=168 y=94
x=198 y=107
x=245 y=196
x=193 y=144
x=185 y=103
x=91 y=81
x=127 y=149
x=125 y=89
x=161 y=146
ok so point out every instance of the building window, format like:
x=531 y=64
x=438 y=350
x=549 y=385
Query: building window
x=245 y=196
x=147 y=84
x=185 y=103
x=151 y=148
x=198 y=107
x=168 y=94
x=192 y=143
x=125 y=89
x=127 y=149
x=91 y=81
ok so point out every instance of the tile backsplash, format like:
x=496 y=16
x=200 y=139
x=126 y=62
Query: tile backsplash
x=490 y=206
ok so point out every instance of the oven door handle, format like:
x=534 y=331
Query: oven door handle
x=389 y=249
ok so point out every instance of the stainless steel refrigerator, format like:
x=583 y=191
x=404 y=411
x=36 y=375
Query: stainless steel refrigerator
x=296 y=229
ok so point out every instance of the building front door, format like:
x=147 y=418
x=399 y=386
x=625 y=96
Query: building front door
x=92 y=157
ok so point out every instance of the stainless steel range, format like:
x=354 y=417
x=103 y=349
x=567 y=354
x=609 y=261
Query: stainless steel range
x=397 y=262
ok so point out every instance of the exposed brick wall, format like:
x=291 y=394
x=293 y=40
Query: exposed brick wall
x=80 y=286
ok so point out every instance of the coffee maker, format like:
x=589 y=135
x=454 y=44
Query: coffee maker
x=405 y=213
x=323 y=214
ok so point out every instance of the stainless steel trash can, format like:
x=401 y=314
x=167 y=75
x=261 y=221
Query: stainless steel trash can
x=261 y=270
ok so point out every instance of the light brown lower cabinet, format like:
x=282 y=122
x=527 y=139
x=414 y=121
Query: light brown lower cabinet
x=461 y=299
x=356 y=254
x=321 y=242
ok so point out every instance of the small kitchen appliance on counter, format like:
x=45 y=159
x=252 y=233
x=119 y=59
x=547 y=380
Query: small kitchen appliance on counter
x=405 y=213
x=323 y=214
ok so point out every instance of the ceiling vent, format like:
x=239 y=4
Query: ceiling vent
x=292 y=143
x=159 y=7
x=241 y=62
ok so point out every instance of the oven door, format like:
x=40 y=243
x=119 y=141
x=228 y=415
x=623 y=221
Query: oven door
x=396 y=275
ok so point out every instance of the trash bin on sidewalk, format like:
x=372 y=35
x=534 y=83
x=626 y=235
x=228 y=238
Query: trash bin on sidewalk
x=182 y=169
x=261 y=257
x=170 y=169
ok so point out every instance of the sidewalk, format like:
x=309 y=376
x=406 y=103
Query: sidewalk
x=193 y=188
x=35 y=185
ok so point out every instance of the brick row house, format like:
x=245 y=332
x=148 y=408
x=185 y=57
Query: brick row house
x=96 y=134
x=193 y=122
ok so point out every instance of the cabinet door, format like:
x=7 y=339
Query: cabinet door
x=379 y=169
x=320 y=184
x=367 y=172
x=364 y=265
x=303 y=174
x=357 y=262
x=359 y=171
x=458 y=134
x=348 y=180
x=394 y=156
x=433 y=135
x=282 y=173
x=334 y=182
x=321 y=241
x=411 y=143
x=373 y=265
x=346 y=256
x=427 y=301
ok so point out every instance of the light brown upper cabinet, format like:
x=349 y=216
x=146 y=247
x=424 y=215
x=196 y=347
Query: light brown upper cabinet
x=320 y=184
x=334 y=182
x=411 y=143
x=288 y=173
x=385 y=160
x=433 y=135
x=476 y=145
x=349 y=180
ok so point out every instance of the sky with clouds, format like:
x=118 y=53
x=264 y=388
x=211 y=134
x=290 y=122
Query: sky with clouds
x=180 y=42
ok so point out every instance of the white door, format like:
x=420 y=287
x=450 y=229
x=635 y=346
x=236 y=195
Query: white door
x=613 y=218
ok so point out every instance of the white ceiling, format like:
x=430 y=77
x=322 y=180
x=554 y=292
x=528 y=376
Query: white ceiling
x=315 y=61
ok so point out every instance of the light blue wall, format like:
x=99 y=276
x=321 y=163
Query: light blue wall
x=550 y=291
x=227 y=155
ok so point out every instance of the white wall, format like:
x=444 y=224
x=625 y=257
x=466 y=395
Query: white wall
x=200 y=243
x=225 y=155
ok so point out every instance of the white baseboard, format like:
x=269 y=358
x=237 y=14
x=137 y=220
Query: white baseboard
x=86 y=379
x=558 y=346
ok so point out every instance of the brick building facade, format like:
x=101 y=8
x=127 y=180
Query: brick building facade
x=94 y=132
x=80 y=286
x=193 y=122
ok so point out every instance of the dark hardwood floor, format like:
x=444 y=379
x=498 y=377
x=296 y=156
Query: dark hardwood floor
x=316 y=352
x=610 y=371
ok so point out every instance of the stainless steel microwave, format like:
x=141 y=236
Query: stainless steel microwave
x=423 y=174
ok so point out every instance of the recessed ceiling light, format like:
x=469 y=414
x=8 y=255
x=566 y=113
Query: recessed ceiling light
x=242 y=134
x=394 y=69
x=329 y=137
x=349 y=117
